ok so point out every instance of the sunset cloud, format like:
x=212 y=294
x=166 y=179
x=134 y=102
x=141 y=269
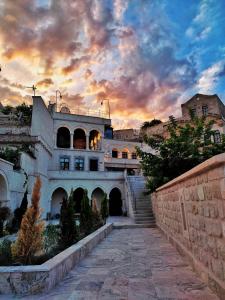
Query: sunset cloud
x=141 y=55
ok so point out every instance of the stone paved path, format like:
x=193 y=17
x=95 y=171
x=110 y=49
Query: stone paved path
x=134 y=264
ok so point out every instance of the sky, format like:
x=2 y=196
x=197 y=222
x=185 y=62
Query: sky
x=145 y=56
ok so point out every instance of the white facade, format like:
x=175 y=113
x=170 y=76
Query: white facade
x=71 y=153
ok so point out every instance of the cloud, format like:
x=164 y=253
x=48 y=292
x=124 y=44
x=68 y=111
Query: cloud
x=45 y=83
x=76 y=64
x=88 y=74
x=210 y=76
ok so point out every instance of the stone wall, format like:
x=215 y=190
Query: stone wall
x=190 y=210
x=28 y=280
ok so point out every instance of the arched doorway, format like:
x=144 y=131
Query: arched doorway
x=94 y=140
x=3 y=191
x=115 y=202
x=97 y=196
x=57 y=198
x=63 y=138
x=79 y=139
x=77 y=197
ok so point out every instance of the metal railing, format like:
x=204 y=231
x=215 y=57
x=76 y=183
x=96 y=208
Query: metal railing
x=82 y=111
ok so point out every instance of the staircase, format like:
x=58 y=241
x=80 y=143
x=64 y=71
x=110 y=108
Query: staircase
x=142 y=207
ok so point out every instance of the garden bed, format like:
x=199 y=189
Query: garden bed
x=33 y=279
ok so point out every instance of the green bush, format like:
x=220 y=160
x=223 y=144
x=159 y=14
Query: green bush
x=104 y=208
x=5 y=253
x=11 y=155
x=68 y=231
x=51 y=237
x=86 y=220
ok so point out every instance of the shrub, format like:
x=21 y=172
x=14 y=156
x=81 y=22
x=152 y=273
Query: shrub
x=4 y=215
x=96 y=217
x=30 y=237
x=51 y=237
x=5 y=252
x=19 y=212
x=11 y=155
x=104 y=208
x=68 y=230
x=86 y=222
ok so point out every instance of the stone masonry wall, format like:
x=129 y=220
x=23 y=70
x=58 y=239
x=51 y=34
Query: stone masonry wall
x=190 y=210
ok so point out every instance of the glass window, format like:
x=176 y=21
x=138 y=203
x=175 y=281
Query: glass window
x=124 y=154
x=93 y=164
x=193 y=111
x=79 y=163
x=134 y=155
x=205 y=110
x=217 y=137
x=115 y=153
x=64 y=162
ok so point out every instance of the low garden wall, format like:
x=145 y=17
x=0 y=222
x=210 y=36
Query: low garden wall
x=190 y=210
x=24 y=280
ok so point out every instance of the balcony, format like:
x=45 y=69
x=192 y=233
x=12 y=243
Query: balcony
x=84 y=175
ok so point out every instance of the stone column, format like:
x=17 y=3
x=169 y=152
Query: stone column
x=71 y=141
x=87 y=142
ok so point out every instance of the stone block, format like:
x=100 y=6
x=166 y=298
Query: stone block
x=200 y=192
x=213 y=228
x=217 y=268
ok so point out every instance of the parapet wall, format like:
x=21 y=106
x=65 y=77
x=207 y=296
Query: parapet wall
x=190 y=210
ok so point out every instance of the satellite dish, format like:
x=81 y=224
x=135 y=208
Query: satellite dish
x=64 y=108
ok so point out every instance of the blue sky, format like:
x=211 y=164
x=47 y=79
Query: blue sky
x=146 y=56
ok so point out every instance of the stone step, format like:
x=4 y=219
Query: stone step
x=146 y=222
x=143 y=211
x=127 y=226
x=142 y=206
x=146 y=214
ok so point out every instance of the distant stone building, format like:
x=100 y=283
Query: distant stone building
x=127 y=134
x=209 y=106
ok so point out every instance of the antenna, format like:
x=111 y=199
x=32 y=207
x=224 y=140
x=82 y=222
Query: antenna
x=32 y=87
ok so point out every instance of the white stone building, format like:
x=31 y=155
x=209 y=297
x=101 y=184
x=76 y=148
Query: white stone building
x=71 y=151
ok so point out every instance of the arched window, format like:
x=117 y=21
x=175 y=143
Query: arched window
x=115 y=202
x=79 y=139
x=114 y=153
x=78 y=195
x=57 y=198
x=3 y=191
x=63 y=138
x=97 y=196
x=95 y=140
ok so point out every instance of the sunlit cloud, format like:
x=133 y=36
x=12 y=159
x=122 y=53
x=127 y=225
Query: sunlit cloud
x=137 y=54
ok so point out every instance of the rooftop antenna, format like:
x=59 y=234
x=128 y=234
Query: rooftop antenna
x=32 y=87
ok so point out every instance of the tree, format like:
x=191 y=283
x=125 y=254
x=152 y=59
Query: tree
x=188 y=145
x=4 y=215
x=104 y=208
x=30 y=236
x=86 y=222
x=151 y=123
x=68 y=230
x=96 y=217
x=19 y=212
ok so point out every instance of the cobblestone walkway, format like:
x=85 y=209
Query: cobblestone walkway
x=134 y=264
